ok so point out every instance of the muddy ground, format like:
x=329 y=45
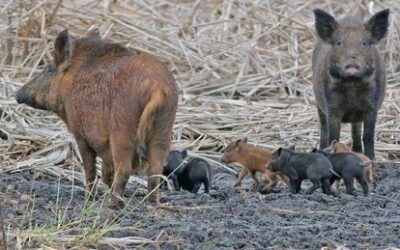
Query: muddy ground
x=228 y=218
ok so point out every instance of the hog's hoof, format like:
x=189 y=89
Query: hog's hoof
x=116 y=202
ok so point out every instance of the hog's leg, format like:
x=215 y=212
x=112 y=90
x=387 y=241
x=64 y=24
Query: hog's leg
x=242 y=174
x=348 y=182
x=89 y=164
x=196 y=187
x=107 y=168
x=326 y=187
x=175 y=181
x=157 y=156
x=316 y=184
x=323 y=140
x=364 y=184
x=293 y=184
x=122 y=152
x=356 y=136
x=298 y=186
x=334 y=120
x=206 y=184
x=368 y=136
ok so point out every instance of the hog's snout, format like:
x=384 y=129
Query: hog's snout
x=352 y=69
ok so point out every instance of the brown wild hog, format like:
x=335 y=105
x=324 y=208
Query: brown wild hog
x=118 y=105
x=253 y=159
x=349 y=76
x=340 y=147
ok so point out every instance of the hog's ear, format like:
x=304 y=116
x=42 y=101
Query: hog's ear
x=184 y=154
x=325 y=25
x=61 y=47
x=378 y=25
x=278 y=151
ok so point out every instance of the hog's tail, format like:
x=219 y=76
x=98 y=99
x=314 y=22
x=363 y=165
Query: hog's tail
x=146 y=121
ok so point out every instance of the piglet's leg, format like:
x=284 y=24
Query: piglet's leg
x=89 y=164
x=255 y=179
x=242 y=174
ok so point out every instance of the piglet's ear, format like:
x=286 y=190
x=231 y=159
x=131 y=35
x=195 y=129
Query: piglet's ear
x=325 y=25
x=184 y=154
x=279 y=151
x=378 y=25
x=61 y=48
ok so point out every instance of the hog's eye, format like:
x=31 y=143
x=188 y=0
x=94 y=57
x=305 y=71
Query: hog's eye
x=338 y=44
x=365 y=43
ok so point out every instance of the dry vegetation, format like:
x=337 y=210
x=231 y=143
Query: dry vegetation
x=243 y=67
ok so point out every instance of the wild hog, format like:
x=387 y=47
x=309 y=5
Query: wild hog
x=118 y=105
x=175 y=165
x=339 y=147
x=349 y=76
x=347 y=166
x=196 y=172
x=253 y=159
x=300 y=166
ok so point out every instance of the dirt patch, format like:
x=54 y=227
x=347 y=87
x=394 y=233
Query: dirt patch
x=228 y=218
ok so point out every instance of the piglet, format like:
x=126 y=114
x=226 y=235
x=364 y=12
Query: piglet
x=300 y=166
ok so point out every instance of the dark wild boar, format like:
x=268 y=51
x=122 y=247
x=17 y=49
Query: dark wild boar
x=174 y=166
x=339 y=147
x=253 y=160
x=118 y=105
x=347 y=166
x=300 y=166
x=196 y=172
x=349 y=76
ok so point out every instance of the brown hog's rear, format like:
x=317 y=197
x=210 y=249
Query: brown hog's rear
x=119 y=106
x=254 y=160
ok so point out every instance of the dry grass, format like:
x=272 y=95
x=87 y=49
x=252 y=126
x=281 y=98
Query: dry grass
x=243 y=67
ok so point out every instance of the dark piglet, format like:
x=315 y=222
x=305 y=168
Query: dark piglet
x=188 y=176
x=118 y=105
x=349 y=76
x=196 y=172
x=300 y=166
x=347 y=166
x=174 y=166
